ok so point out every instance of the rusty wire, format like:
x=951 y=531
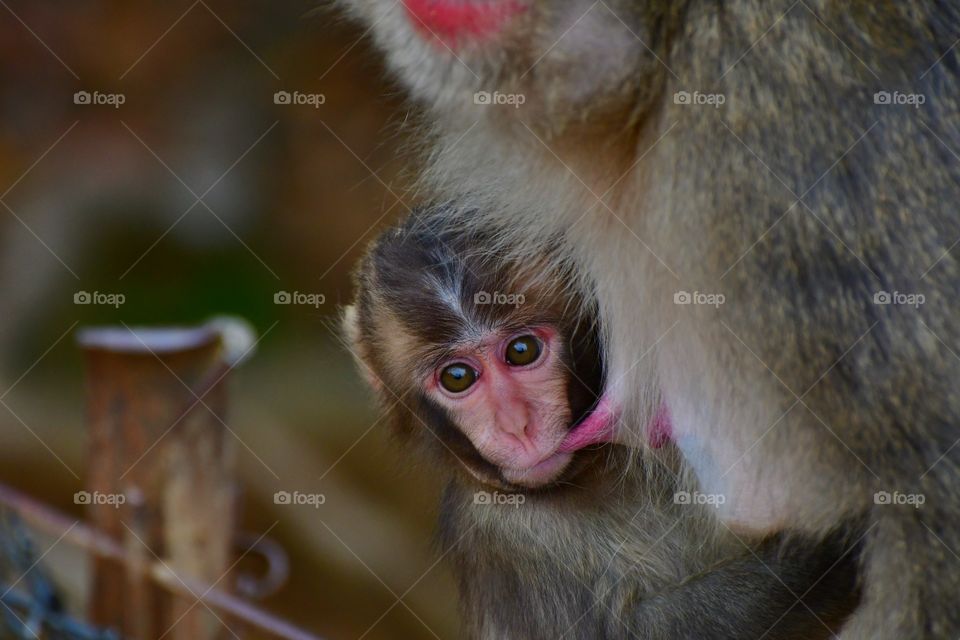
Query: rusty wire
x=53 y=522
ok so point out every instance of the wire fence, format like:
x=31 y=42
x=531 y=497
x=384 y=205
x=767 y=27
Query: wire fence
x=163 y=551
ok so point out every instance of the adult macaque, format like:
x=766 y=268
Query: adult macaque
x=798 y=159
x=494 y=369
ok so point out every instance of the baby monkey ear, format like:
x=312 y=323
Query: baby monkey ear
x=350 y=326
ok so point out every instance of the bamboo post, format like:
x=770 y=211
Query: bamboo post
x=160 y=479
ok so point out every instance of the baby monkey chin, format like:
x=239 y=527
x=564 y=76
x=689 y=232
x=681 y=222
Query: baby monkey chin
x=540 y=474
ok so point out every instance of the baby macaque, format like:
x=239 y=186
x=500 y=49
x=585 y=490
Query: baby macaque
x=494 y=369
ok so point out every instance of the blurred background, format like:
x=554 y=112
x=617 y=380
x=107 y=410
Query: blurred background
x=162 y=162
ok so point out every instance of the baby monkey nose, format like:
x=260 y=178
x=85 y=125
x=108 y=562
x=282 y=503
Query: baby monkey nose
x=517 y=426
x=517 y=423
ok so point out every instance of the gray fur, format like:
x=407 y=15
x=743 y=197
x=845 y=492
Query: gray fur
x=605 y=552
x=703 y=198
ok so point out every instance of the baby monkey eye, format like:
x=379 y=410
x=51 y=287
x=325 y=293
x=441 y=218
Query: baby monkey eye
x=523 y=351
x=457 y=377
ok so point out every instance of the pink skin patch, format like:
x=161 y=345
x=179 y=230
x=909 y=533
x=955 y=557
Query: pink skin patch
x=451 y=21
x=595 y=428
x=600 y=427
x=660 y=430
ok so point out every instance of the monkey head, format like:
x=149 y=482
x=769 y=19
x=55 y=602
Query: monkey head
x=493 y=362
x=546 y=61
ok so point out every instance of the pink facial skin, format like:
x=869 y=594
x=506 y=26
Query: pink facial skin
x=514 y=415
x=452 y=21
x=517 y=417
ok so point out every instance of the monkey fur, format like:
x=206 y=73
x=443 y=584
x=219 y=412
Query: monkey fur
x=607 y=551
x=809 y=197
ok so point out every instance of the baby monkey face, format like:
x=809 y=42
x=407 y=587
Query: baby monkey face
x=508 y=385
x=508 y=394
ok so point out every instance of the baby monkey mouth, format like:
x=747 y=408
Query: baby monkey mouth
x=597 y=426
